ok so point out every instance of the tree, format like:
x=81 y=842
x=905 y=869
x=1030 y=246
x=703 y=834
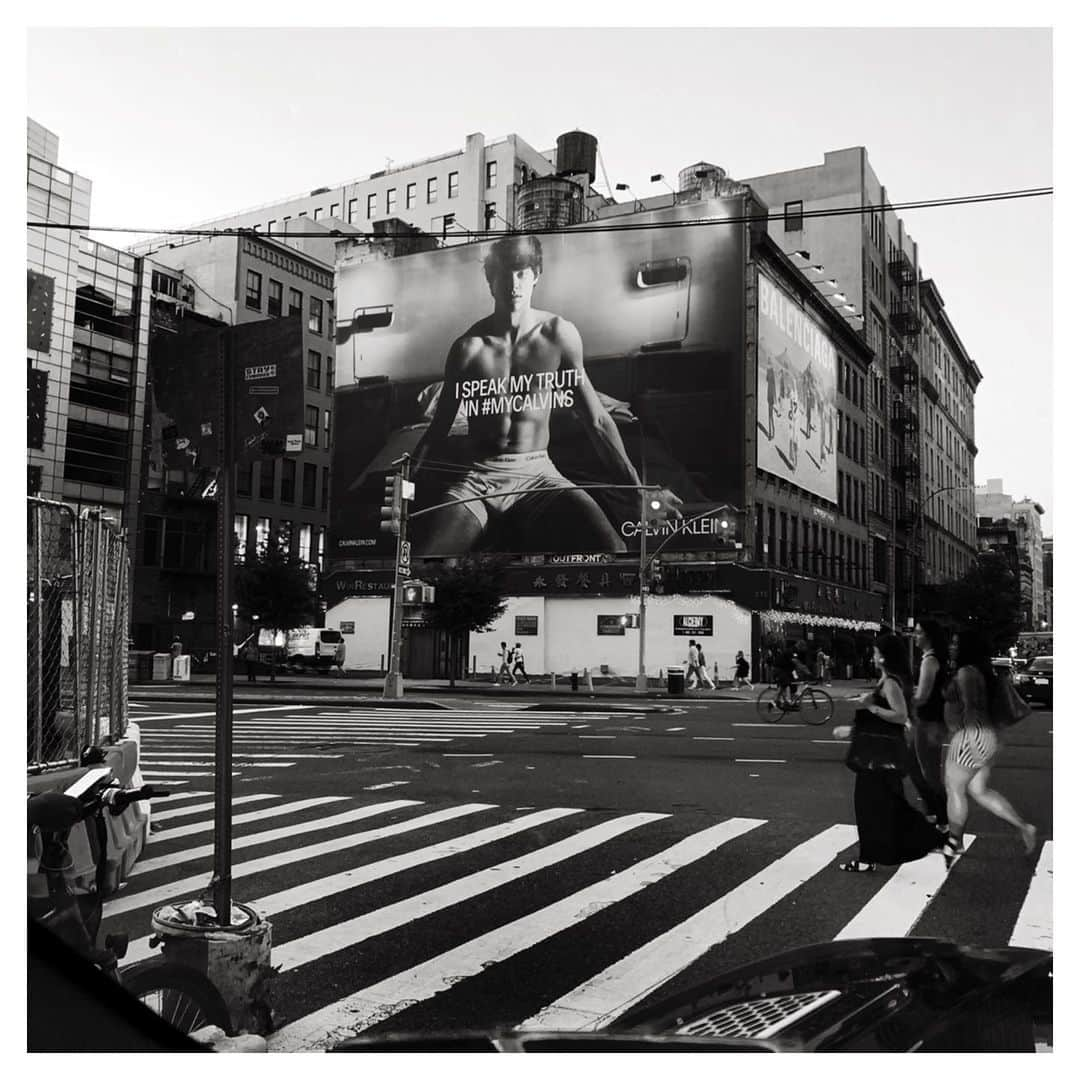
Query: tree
x=986 y=598
x=276 y=586
x=469 y=595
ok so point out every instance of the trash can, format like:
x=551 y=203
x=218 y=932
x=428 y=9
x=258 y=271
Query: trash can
x=181 y=668
x=676 y=681
x=162 y=669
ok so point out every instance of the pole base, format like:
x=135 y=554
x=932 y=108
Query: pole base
x=641 y=681
x=394 y=687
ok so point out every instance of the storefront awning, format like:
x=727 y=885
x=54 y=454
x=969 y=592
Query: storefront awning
x=775 y=620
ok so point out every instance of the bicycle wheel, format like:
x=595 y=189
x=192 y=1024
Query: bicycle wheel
x=180 y=995
x=815 y=706
x=768 y=705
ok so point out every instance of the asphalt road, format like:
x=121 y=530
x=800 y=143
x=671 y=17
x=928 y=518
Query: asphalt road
x=504 y=865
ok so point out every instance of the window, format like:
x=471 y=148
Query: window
x=433 y=189
x=303 y=544
x=352 y=210
x=489 y=216
x=326 y=427
x=321 y=548
x=253 y=297
x=240 y=531
x=273 y=298
x=325 y=487
x=311 y=425
x=372 y=205
x=288 y=480
x=330 y=319
x=410 y=196
x=164 y=284
x=315 y=315
x=262 y=533
x=307 y=493
x=793 y=216
x=452 y=186
x=391 y=200
x=296 y=302
x=266 y=478
x=330 y=374
x=335 y=209
x=314 y=369
x=243 y=478
x=284 y=536
x=491 y=173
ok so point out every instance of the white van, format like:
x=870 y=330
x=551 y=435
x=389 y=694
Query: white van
x=320 y=646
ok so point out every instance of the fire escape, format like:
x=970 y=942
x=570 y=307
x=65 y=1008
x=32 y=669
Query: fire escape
x=904 y=372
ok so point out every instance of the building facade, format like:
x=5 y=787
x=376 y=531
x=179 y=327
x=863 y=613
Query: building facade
x=88 y=331
x=752 y=412
x=870 y=261
x=1009 y=524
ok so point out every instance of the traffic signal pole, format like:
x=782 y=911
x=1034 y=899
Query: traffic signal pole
x=399 y=491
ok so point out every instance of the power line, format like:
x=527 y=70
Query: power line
x=614 y=226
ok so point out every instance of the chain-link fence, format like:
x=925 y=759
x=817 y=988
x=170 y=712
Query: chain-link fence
x=77 y=631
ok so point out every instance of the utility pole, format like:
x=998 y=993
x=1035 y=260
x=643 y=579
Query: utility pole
x=395 y=518
x=642 y=680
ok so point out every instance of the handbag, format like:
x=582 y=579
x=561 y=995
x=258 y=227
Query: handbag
x=876 y=745
x=1008 y=707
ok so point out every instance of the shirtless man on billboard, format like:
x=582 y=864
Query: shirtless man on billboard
x=508 y=371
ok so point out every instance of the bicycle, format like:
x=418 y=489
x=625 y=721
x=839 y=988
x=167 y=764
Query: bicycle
x=179 y=994
x=813 y=704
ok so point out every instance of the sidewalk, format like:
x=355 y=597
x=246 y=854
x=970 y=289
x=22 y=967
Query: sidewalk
x=420 y=693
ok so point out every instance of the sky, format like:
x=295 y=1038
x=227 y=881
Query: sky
x=178 y=125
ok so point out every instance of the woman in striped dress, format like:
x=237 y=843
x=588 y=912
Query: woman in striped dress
x=973 y=744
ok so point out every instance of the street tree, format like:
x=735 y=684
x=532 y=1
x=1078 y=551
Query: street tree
x=470 y=595
x=986 y=598
x=277 y=587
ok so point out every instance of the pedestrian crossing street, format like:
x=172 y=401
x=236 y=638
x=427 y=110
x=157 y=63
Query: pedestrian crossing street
x=177 y=748
x=401 y=915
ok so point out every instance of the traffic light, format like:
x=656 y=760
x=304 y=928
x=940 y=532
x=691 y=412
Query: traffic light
x=390 y=511
x=629 y=620
x=654 y=508
x=415 y=593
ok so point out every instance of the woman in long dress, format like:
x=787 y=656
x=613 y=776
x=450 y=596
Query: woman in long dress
x=891 y=830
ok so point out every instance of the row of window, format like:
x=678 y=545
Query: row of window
x=852 y=385
x=304 y=541
x=809 y=547
x=268 y=487
x=297 y=267
x=315 y=371
x=275 y=303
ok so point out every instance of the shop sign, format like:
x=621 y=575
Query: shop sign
x=693 y=625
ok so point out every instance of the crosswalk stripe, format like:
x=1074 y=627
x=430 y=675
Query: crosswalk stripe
x=895 y=908
x=243 y=819
x=607 y=995
x=239 y=732
x=197 y=882
x=201 y=808
x=183 y=796
x=238 y=753
x=353 y=931
x=1034 y=927
x=362 y=725
x=153 y=774
x=423 y=981
x=299 y=895
x=349 y=817
x=236 y=712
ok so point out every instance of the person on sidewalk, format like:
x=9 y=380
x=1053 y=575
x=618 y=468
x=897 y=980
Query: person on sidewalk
x=742 y=672
x=518 y=658
x=504 y=664
x=824 y=667
x=703 y=670
x=692 y=681
x=251 y=657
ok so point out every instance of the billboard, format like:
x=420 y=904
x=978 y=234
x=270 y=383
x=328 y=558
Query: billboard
x=268 y=394
x=796 y=394
x=537 y=381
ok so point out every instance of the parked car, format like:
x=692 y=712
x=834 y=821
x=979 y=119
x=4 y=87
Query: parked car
x=1035 y=682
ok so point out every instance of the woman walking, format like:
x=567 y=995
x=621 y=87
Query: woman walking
x=891 y=830
x=742 y=672
x=926 y=767
x=969 y=699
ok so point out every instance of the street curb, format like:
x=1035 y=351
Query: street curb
x=288 y=699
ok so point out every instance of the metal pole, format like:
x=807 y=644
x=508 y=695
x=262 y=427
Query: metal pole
x=221 y=882
x=91 y=662
x=642 y=682
x=39 y=715
x=394 y=687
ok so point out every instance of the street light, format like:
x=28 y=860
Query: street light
x=637 y=201
x=659 y=178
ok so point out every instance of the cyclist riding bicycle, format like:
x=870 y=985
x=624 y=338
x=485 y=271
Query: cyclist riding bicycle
x=789 y=669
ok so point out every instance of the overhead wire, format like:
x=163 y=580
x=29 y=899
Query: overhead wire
x=614 y=225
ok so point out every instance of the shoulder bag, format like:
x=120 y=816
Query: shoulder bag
x=877 y=745
x=1008 y=707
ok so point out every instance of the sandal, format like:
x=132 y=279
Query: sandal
x=856 y=867
x=952 y=849
x=1029 y=834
